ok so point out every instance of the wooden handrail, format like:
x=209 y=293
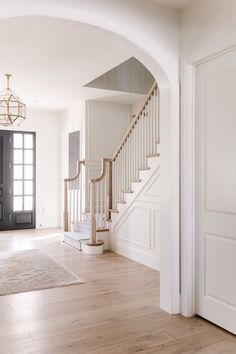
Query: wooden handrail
x=79 y=163
x=103 y=173
x=104 y=163
x=153 y=88
x=66 y=181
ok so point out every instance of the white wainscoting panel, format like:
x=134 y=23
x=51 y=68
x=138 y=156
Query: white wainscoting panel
x=136 y=232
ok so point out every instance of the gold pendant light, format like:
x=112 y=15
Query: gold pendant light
x=12 y=109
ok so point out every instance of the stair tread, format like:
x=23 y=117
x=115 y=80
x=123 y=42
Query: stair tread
x=77 y=236
x=113 y=210
x=144 y=168
x=153 y=155
x=84 y=223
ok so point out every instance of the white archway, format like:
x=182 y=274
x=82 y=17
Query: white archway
x=152 y=33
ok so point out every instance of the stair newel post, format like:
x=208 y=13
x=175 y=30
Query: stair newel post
x=66 y=216
x=93 y=238
x=109 y=196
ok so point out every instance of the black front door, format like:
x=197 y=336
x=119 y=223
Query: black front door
x=17 y=180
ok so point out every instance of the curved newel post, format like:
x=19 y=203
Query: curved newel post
x=66 y=183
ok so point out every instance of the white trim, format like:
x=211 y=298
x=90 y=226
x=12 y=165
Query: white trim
x=138 y=254
x=188 y=191
x=170 y=217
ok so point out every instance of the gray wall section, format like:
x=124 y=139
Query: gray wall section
x=130 y=76
x=74 y=152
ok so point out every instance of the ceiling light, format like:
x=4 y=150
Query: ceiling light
x=12 y=109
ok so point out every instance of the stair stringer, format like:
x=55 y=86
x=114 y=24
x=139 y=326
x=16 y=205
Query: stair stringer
x=135 y=230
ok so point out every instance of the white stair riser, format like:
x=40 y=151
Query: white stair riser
x=93 y=250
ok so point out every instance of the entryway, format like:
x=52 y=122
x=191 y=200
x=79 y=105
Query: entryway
x=17 y=180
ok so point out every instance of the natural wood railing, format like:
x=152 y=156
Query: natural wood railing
x=73 y=198
x=118 y=172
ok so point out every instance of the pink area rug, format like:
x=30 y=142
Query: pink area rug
x=31 y=270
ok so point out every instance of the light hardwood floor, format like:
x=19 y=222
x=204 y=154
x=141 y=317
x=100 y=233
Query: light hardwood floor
x=116 y=311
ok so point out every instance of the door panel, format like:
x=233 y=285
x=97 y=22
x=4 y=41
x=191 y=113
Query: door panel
x=216 y=190
x=5 y=183
x=17 y=174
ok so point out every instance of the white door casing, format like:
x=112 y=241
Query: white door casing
x=216 y=190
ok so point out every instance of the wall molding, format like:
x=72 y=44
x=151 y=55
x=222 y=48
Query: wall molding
x=150 y=259
x=139 y=196
x=188 y=191
x=146 y=253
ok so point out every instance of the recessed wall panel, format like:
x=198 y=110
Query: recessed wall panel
x=220 y=142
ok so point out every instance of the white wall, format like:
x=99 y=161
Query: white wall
x=102 y=126
x=106 y=124
x=207 y=26
x=48 y=171
x=127 y=18
x=71 y=120
x=135 y=108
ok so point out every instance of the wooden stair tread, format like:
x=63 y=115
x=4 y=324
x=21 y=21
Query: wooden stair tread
x=153 y=155
x=144 y=168
x=113 y=210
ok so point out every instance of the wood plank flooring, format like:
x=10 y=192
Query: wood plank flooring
x=116 y=311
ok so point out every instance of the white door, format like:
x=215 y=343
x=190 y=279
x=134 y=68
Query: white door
x=216 y=190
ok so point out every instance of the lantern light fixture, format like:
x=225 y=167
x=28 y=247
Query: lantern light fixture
x=12 y=109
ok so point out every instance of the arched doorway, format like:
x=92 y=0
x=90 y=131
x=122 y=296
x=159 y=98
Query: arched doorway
x=159 y=53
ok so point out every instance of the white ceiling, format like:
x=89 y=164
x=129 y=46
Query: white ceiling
x=177 y=4
x=51 y=60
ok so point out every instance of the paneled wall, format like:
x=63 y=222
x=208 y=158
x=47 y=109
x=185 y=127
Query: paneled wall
x=105 y=125
x=136 y=235
x=48 y=173
x=102 y=126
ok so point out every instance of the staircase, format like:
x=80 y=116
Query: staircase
x=122 y=178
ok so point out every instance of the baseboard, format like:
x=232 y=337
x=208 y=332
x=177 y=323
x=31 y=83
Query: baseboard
x=104 y=236
x=144 y=256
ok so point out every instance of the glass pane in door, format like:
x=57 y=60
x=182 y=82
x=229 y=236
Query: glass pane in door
x=17 y=203
x=18 y=141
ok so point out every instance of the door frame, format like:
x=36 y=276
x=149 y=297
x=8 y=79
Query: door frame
x=23 y=226
x=188 y=170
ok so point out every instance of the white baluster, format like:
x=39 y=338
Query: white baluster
x=102 y=201
x=149 y=128
x=122 y=171
x=136 y=150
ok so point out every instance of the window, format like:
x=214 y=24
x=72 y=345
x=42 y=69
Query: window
x=23 y=172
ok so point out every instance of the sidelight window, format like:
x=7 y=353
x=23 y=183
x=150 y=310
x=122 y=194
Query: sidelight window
x=23 y=171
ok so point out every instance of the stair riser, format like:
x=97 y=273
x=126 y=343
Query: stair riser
x=72 y=243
